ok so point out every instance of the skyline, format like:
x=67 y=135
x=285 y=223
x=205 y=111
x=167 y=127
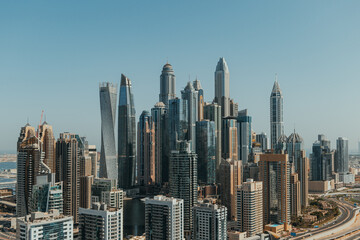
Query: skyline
x=83 y=59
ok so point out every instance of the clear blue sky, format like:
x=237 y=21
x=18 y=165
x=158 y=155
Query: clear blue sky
x=53 y=54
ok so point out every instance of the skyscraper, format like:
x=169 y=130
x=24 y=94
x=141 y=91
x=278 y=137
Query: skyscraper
x=222 y=88
x=263 y=140
x=105 y=191
x=230 y=176
x=126 y=135
x=94 y=159
x=212 y=112
x=159 y=113
x=342 y=155
x=29 y=158
x=146 y=150
x=275 y=175
x=26 y=132
x=229 y=138
x=164 y=218
x=68 y=171
x=244 y=135
x=183 y=180
x=250 y=207
x=210 y=222
x=276 y=114
x=47 y=138
x=200 y=90
x=39 y=225
x=295 y=195
x=205 y=149
x=167 y=84
x=101 y=222
x=177 y=122
x=322 y=159
x=85 y=189
x=108 y=161
x=191 y=97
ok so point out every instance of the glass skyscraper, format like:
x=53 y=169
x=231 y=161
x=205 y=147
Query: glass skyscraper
x=222 y=88
x=126 y=135
x=342 y=155
x=177 y=122
x=276 y=114
x=108 y=161
x=167 y=84
x=244 y=135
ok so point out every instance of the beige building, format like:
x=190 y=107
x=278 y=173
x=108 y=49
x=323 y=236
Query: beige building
x=85 y=188
x=229 y=138
x=250 y=207
x=230 y=174
x=47 y=138
x=275 y=175
x=295 y=197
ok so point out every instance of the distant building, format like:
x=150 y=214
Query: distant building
x=200 y=90
x=229 y=139
x=244 y=135
x=209 y=222
x=295 y=195
x=108 y=163
x=263 y=140
x=230 y=176
x=222 y=87
x=177 y=122
x=164 y=218
x=275 y=175
x=47 y=139
x=322 y=160
x=101 y=222
x=94 y=160
x=250 y=207
x=183 y=180
x=276 y=114
x=342 y=155
x=146 y=150
x=41 y=225
x=205 y=149
x=126 y=135
x=167 y=84
x=85 y=188
x=105 y=191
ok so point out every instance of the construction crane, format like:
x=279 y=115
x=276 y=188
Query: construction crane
x=42 y=113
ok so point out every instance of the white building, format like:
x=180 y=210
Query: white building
x=164 y=218
x=101 y=222
x=209 y=222
x=41 y=225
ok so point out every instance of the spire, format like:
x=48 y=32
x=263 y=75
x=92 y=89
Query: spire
x=197 y=84
x=222 y=65
x=125 y=81
x=276 y=87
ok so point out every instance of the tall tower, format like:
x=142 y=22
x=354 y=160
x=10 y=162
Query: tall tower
x=47 y=138
x=177 y=122
x=126 y=135
x=183 y=180
x=229 y=139
x=146 y=150
x=191 y=96
x=244 y=135
x=200 y=90
x=167 y=84
x=212 y=112
x=108 y=161
x=68 y=171
x=276 y=114
x=322 y=159
x=222 y=88
x=342 y=155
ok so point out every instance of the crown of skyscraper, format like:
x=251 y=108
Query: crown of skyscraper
x=276 y=88
x=222 y=65
x=125 y=81
x=294 y=138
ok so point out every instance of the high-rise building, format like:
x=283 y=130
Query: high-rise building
x=26 y=132
x=222 y=87
x=275 y=175
x=295 y=195
x=183 y=180
x=342 y=155
x=126 y=135
x=263 y=140
x=101 y=222
x=159 y=113
x=94 y=160
x=68 y=171
x=200 y=90
x=105 y=191
x=322 y=160
x=39 y=225
x=164 y=218
x=146 y=150
x=234 y=108
x=47 y=195
x=177 y=122
x=250 y=207
x=205 y=149
x=46 y=136
x=210 y=222
x=85 y=189
x=244 y=135
x=212 y=112
x=229 y=138
x=300 y=164
x=29 y=159
x=85 y=159
x=230 y=176
x=276 y=114
x=108 y=161
x=167 y=84
x=191 y=97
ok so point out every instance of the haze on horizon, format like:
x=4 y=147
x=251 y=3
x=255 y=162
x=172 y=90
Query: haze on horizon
x=55 y=54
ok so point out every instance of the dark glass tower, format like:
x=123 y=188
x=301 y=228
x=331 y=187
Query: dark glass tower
x=126 y=135
x=276 y=114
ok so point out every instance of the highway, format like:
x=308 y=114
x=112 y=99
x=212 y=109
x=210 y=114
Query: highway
x=347 y=213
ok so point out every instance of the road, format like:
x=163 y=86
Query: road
x=347 y=213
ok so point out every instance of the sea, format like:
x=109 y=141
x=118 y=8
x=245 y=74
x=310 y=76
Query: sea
x=10 y=181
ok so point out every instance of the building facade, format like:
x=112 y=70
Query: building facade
x=222 y=87
x=244 y=135
x=167 y=84
x=276 y=114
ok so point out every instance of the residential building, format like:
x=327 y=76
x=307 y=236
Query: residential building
x=244 y=135
x=229 y=138
x=167 y=84
x=222 y=87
